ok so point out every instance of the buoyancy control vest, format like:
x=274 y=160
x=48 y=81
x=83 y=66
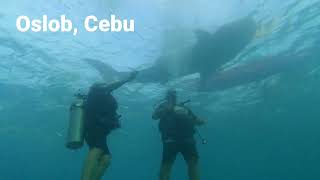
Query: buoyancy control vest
x=101 y=109
x=177 y=126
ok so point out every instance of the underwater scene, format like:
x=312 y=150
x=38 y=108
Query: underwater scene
x=159 y=90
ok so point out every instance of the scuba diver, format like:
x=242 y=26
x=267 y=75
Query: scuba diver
x=177 y=127
x=101 y=119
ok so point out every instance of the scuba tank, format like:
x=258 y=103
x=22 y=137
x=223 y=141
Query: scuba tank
x=75 y=134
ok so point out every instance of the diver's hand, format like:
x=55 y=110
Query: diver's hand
x=161 y=111
x=166 y=108
x=180 y=110
x=133 y=75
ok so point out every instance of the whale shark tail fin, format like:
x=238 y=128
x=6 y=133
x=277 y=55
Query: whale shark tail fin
x=107 y=72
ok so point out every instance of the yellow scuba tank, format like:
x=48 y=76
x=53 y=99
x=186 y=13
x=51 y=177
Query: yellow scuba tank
x=75 y=134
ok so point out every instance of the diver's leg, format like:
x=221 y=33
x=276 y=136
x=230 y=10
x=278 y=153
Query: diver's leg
x=190 y=154
x=91 y=163
x=193 y=168
x=104 y=163
x=165 y=170
x=168 y=157
x=105 y=157
x=96 y=140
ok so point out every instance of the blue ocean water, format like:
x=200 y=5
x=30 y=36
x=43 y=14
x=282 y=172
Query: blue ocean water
x=267 y=129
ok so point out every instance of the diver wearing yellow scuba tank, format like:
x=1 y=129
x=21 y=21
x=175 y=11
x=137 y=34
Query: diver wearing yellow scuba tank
x=101 y=119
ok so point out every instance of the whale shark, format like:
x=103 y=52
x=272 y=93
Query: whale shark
x=207 y=55
x=254 y=70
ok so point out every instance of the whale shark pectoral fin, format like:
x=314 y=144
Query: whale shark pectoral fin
x=106 y=71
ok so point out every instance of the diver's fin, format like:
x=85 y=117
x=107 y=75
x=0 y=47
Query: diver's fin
x=106 y=71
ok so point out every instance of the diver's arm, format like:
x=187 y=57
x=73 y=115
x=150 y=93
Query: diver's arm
x=115 y=85
x=160 y=111
x=197 y=121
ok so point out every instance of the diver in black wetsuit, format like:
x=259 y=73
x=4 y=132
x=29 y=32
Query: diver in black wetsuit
x=177 y=127
x=101 y=119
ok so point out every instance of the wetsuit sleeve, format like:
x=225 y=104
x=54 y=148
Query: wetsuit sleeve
x=108 y=88
x=160 y=112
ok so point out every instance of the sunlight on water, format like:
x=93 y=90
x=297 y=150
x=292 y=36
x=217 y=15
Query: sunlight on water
x=259 y=128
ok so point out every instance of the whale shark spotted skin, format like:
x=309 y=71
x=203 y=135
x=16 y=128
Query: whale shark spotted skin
x=207 y=55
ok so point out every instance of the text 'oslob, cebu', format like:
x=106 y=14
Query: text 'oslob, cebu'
x=91 y=24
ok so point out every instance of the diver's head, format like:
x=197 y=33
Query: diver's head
x=171 y=96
